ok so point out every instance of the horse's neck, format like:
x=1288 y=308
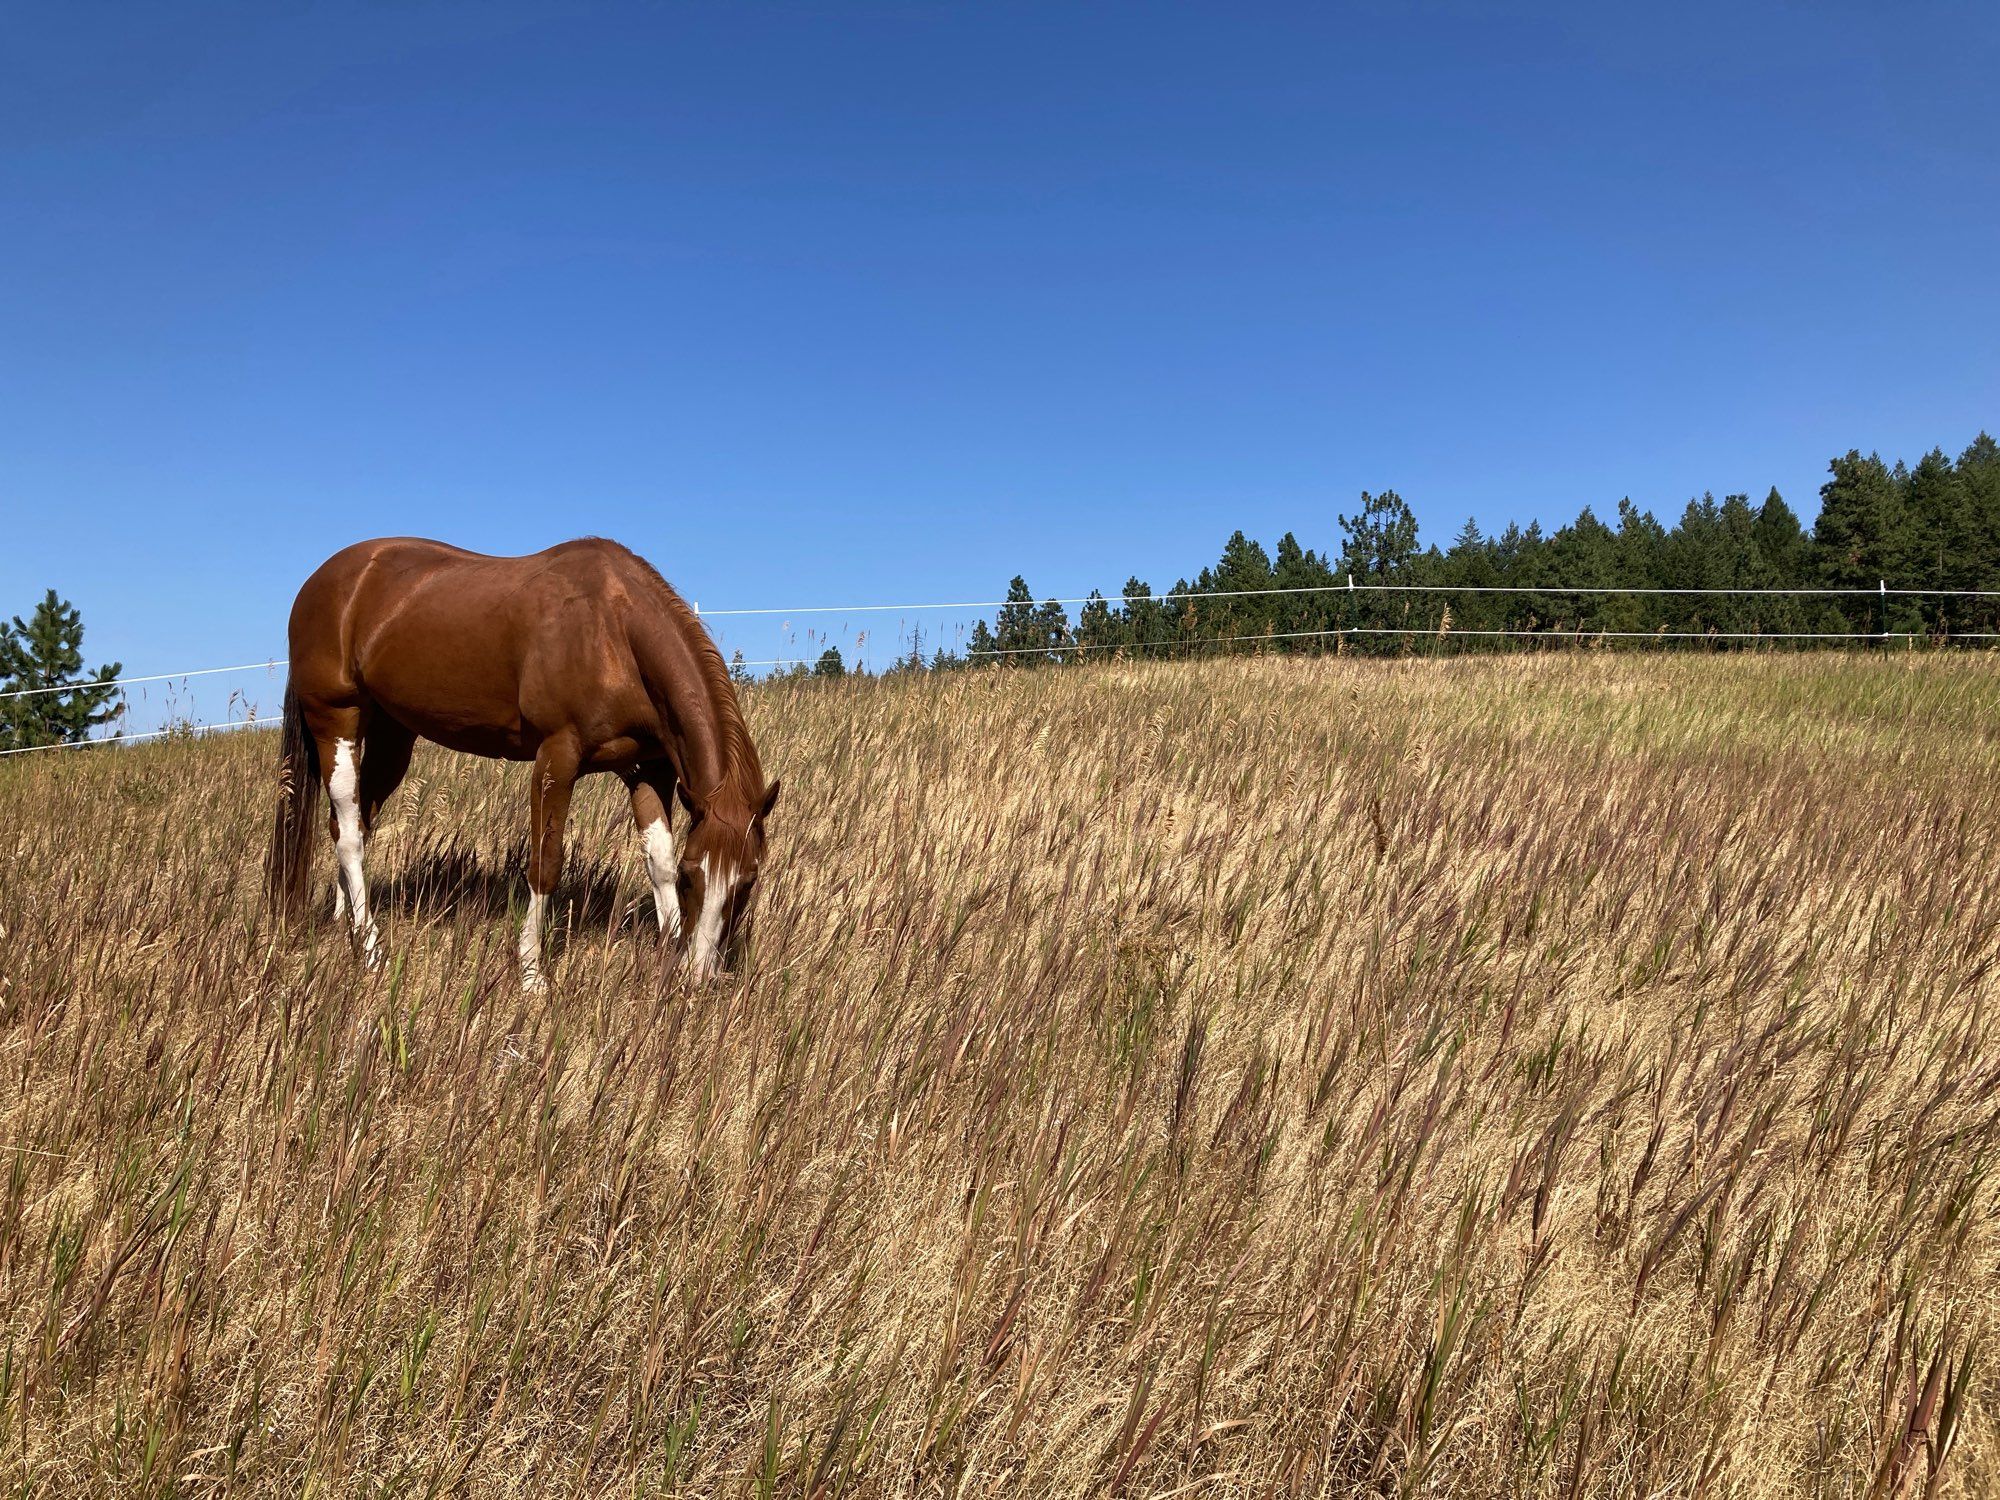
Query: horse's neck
x=711 y=754
x=706 y=725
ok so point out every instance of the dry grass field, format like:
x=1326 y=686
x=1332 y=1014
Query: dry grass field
x=1562 y=1075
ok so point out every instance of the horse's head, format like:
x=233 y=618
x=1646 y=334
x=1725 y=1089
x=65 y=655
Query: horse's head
x=718 y=878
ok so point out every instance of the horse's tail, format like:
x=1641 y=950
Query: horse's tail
x=289 y=864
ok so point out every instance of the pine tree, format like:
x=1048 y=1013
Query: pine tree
x=1186 y=618
x=1380 y=542
x=1145 y=618
x=1943 y=535
x=1097 y=627
x=46 y=651
x=1527 y=551
x=1242 y=572
x=1015 y=630
x=1689 y=560
x=1299 y=567
x=1781 y=543
x=1469 y=566
x=1738 y=566
x=1861 y=536
x=911 y=660
x=1052 y=631
x=1786 y=558
x=830 y=664
x=1381 y=539
x=1979 y=473
x=1982 y=452
x=1642 y=545
x=1584 y=555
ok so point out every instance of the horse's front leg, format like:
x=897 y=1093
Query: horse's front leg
x=548 y=801
x=652 y=811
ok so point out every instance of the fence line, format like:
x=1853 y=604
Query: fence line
x=251 y=666
x=192 y=728
x=1565 y=636
x=1350 y=587
x=151 y=734
x=70 y=687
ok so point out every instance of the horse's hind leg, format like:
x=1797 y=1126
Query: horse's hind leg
x=555 y=771
x=385 y=760
x=338 y=733
x=652 y=810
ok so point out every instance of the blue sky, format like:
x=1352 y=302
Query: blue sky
x=816 y=304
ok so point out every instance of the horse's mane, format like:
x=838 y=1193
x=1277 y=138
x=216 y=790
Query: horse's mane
x=739 y=753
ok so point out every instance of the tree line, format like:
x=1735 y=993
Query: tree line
x=1932 y=526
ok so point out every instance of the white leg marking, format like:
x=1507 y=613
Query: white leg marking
x=716 y=888
x=339 y=897
x=531 y=945
x=344 y=786
x=659 y=845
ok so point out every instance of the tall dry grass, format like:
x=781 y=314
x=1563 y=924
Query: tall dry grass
x=1543 y=1076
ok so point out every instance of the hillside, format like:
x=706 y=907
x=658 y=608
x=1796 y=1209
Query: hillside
x=1522 y=1075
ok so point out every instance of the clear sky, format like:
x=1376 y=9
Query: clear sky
x=819 y=304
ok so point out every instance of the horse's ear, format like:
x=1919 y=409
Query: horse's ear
x=770 y=799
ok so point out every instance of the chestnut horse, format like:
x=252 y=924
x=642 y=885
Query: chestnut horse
x=581 y=659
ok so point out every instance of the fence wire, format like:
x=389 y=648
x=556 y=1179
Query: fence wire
x=1351 y=587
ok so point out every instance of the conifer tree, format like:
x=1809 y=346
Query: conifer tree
x=1145 y=618
x=1299 y=567
x=1379 y=542
x=1096 y=626
x=1860 y=537
x=1979 y=473
x=1015 y=628
x=1242 y=572
x=1584 y=555
x=1942 y=535
x=1052 y=631
x=1784 y=555
x=1381 y=539
x=42 y=652
x=1468 y=565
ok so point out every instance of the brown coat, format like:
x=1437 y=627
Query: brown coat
x=580 y=658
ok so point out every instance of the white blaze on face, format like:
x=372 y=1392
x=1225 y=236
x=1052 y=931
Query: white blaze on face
x=659 y=847
x=718 y=884
x=344 y=787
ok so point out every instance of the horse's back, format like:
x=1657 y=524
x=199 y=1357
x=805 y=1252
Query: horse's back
x=467 y=648
x=373 y=578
